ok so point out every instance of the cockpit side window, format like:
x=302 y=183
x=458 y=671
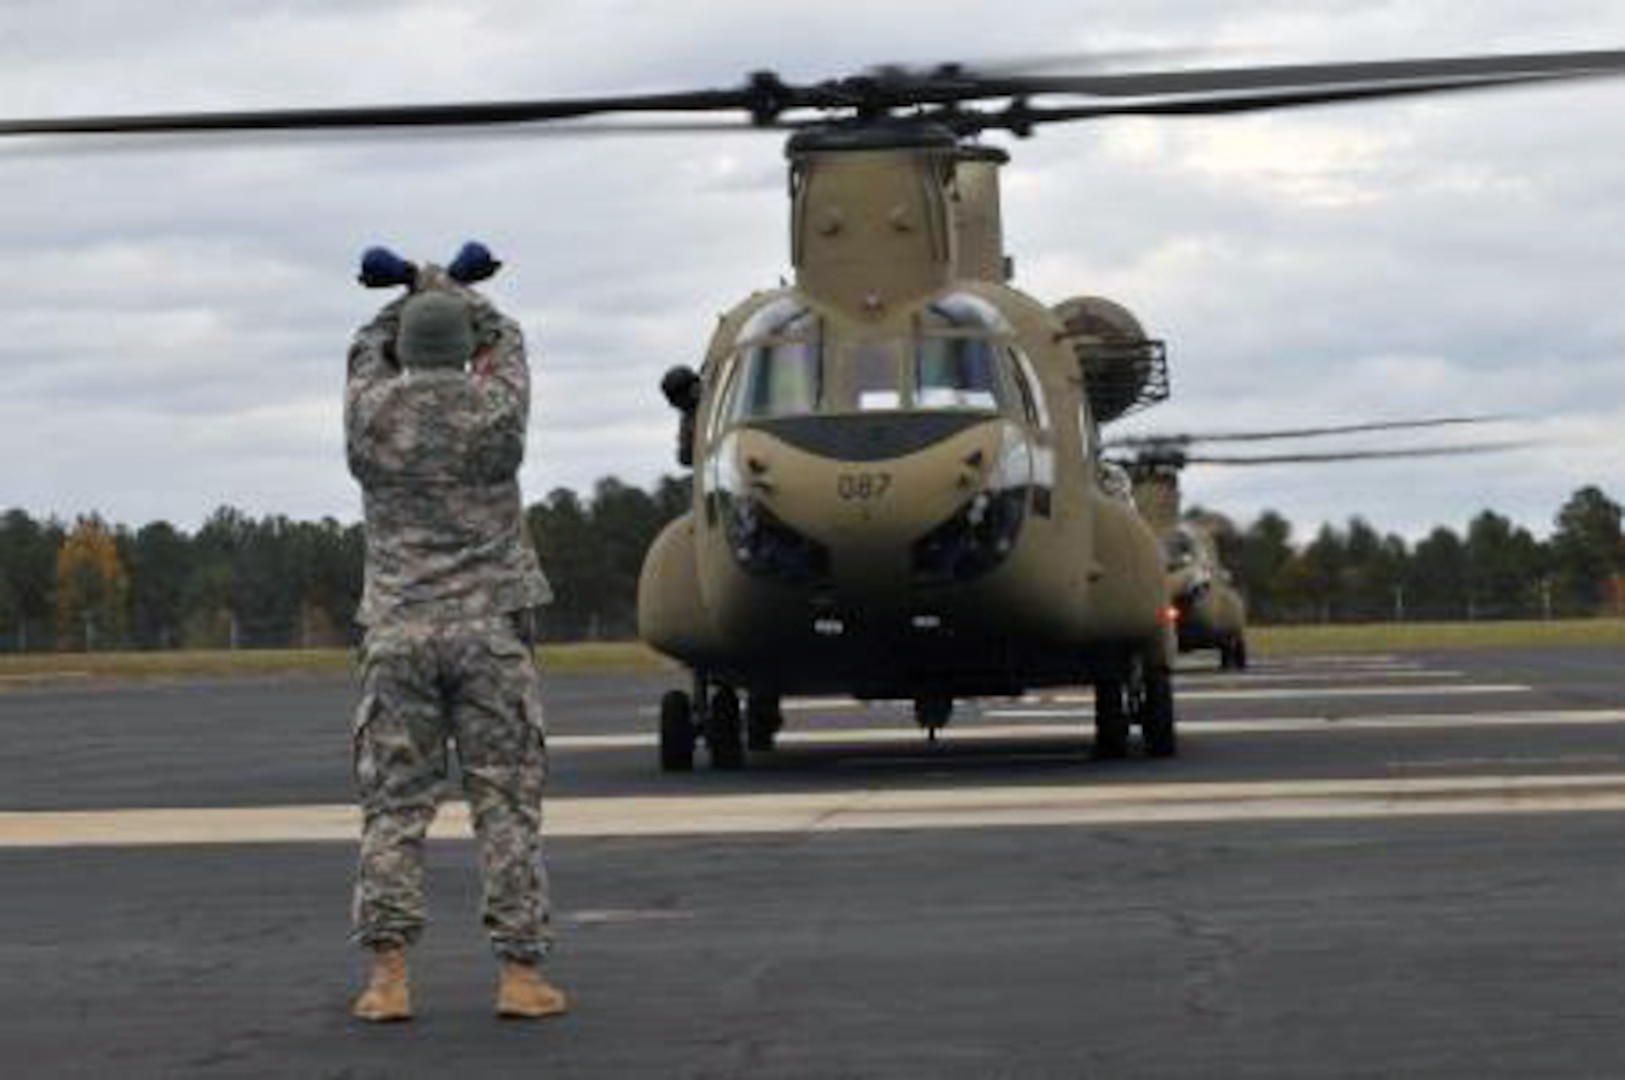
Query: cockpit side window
x=1032 y=389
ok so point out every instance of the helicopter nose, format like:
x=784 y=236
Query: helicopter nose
x=868 y=490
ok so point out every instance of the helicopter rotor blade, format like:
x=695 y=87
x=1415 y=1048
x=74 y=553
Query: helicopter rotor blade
x=935 y=96
x=1184 y=439
x=1352 y=455
x=1022 y=119
x=1303 y=77
x=1087 y=61
x=386 y=116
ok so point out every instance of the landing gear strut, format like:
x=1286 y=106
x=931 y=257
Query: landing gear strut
x=933 y=714
x=764 y=719
x=1142 y=696
x=724 y=731
x=1149 y=697
x=1111 y=721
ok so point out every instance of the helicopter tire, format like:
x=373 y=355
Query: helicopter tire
x=1111 y=722
x=676 y=732
x=764 y=718
x=724 y=734
x=1156 y=713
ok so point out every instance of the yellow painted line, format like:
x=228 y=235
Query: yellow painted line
x=946 y=807
x=46 y=677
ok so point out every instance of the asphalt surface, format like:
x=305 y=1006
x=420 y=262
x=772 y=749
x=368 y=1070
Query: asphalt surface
x=1278 y=930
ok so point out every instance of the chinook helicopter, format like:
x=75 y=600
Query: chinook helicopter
x=1208 y=610
x=895 y=486
x=899 y=487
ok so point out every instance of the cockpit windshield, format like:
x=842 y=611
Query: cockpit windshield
x=962 y=356
x=780 y=363
x=957 y=373
x=1179 y=548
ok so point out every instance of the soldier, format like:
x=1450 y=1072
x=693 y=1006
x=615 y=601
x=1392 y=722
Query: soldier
x=436 y=406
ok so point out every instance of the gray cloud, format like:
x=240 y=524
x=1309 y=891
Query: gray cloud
x=177 y=315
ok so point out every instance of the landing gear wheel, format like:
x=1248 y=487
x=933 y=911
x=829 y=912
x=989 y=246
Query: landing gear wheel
x=1153 y=710
x=724 y=735
x=1111 y=722
x=764 y=718
x=676 y=732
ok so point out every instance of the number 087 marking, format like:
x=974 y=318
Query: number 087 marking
x=862 y=487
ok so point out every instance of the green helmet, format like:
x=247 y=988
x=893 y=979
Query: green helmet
x=437 y=331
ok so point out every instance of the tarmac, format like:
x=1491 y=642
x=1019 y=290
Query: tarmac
x=1408 y=864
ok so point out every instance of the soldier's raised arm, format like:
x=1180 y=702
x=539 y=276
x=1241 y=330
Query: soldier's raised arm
x=500 y=375
x=371 y=367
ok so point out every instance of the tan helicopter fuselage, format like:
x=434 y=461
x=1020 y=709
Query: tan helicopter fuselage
x=1209 y=610
x=896 y=492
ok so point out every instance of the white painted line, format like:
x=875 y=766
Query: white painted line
x=948 y=807
x=1340 y=659
x=1184 y=678
x=1182 y=690
x=621 y=917
x=1071 y=722
x=1444 y=690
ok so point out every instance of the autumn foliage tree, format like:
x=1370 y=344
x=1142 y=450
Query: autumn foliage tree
x=92 y=589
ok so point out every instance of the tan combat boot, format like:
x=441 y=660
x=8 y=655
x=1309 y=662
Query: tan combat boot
x=387 y=996
x=524 y=995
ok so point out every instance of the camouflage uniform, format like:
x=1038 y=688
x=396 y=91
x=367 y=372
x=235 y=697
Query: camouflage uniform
x=451 y=578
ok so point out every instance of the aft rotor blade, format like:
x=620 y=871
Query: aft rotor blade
x=1188 y=438
x=1352 y=455
x=1011 y=67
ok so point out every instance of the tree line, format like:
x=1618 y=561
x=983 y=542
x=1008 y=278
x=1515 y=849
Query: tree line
x=243 y=582
x=1496 y=569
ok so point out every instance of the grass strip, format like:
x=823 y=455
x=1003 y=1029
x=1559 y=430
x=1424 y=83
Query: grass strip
x=606 y=658
x=586 y=658
x=1398 y=637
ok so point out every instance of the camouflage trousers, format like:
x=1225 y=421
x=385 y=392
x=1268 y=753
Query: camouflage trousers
x=427 y=687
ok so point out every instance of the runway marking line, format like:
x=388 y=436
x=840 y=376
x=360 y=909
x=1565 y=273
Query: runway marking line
x=1067 y=723
x=1261 y=693
x=941 y=808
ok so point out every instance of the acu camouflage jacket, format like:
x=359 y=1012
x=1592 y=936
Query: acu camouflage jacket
x=437 y=454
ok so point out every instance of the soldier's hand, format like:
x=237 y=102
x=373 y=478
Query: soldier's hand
x=473 y=263
x=381 y=268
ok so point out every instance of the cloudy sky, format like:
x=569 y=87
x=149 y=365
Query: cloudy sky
x=176 y=314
